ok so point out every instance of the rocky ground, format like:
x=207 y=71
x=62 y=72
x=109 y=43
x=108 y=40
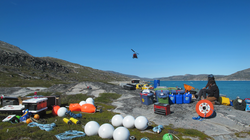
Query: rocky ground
x=223 y=125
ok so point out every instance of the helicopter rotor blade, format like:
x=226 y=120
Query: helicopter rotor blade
x=132 y=50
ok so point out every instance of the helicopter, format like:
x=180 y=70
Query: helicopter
x=135 y=54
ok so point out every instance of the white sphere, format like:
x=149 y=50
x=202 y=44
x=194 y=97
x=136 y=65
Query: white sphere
x=91 y=128
x=106 y=131
x=117 y=120
x=141 y=123
x=90 y=103
x=129 y=121
x=82 y=103
x=89 y=100
x=61 y=111
x=121 y=133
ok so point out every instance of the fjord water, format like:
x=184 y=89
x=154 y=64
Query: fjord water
x=231 y=89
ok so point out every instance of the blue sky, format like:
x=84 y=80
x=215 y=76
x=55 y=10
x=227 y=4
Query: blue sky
x=172 y=37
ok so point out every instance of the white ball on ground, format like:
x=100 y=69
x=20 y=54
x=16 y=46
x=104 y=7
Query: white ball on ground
x=117 y=120
x=129 y=121
x=141 y=123
x=82 y=103
x=90 y=103
x=121 y=133
x=62 y=111
x=91 y=128
x=89 y=100
x=106 y=131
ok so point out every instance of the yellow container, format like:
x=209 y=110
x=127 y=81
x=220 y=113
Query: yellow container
x=75 y=121
x=224 y=101
x=67 y=121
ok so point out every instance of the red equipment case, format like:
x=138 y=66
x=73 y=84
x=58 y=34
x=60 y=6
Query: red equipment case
x=160 y=108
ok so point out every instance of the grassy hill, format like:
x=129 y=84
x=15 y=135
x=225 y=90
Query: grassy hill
x=18 y=68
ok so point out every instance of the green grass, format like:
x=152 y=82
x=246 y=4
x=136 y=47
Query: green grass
x=27 y=76
x=17 y=81
x=10 y=131
x=107 y=97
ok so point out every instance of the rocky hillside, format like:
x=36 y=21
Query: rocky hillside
x=19 y=67
x=11 y=48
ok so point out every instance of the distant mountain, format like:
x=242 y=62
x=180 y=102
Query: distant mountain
x=243 y=75
x=18 y=68
x=189 y=77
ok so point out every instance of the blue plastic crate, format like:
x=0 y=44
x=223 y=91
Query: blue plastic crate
x=147 y=98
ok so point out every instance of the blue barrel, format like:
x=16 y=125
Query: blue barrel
x=172 y=98
x=187 y=98
x=179 y=99
x=156 y=83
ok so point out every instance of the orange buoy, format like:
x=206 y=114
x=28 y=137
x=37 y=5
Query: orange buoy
x=204 y=108
x=28 y=121
x=55 y=109
x=36 y=116
x=75 y=107
x=88 y=108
